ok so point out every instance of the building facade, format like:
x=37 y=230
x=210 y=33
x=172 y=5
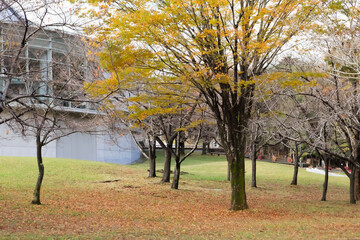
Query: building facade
x=55 y=65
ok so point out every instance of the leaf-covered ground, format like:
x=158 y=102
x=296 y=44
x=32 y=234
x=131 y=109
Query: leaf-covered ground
x=89 y=200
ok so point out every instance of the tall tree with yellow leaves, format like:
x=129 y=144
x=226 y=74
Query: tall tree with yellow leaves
x=215 y=47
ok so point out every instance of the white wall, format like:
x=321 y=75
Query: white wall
x=12 y=144
x=121 y=150
x=77 y=146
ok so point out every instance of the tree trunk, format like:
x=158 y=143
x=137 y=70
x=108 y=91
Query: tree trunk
x=229 y=171
x=296 y=166
x=175 y=182
x=182 y=148
x=238 y=195
x=253 y=163
x=152 y=169
x=326 y=180
x=357 y=183
x=36 y=195
x=352 y=186
x=204 y=148
x=296 y=171
x=232 y=125
x=152 y=158
x=167 y=166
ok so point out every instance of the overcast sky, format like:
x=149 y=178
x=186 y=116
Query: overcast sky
x=50 y=13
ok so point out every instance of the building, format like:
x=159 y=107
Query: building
x=52 y=63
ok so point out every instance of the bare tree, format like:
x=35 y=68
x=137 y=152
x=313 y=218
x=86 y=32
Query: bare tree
x=262 y=132
x=43 y=71
x=324 y=112
x=47 y=124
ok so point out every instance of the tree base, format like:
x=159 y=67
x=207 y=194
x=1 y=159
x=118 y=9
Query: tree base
x=238 y=208
x=36 y=202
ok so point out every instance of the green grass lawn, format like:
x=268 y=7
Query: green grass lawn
x=205 y=167
x=79 y=204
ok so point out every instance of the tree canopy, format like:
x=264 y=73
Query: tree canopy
x=215 y=47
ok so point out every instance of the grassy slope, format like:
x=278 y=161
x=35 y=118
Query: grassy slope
x=76 y=204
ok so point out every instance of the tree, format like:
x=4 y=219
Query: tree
x=329 y=108
x=185 y=124
x=321 y=115
x=209 y=132
x=142 y=106
x=143 y=133
x=142 y=98
x=37 y=80
x=343 y=66
x=215 y=47
x=295 y=115
x=261 y=133
x=161 y=120
x=47 y=124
